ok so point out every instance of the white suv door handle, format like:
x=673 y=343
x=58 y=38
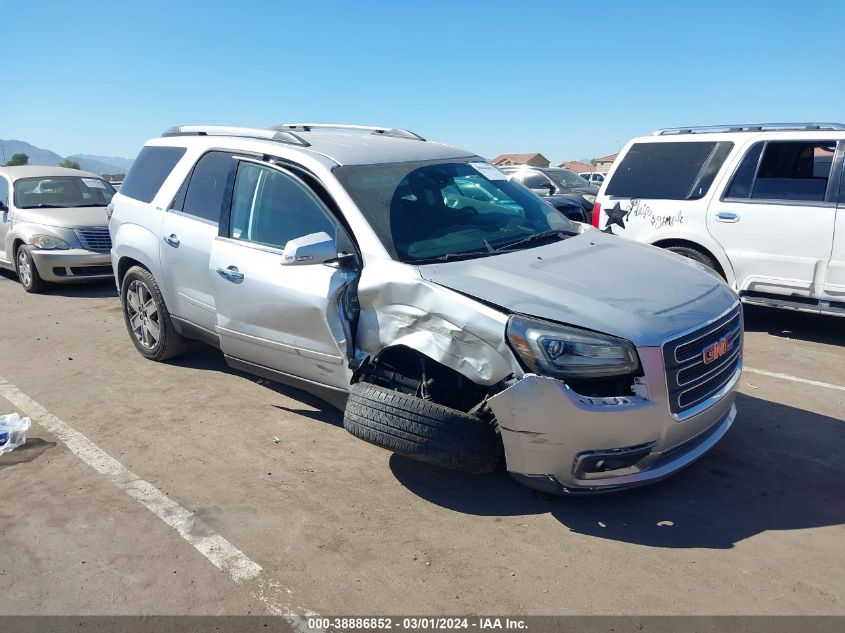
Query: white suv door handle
x=231 y=274
x=725 y=216
x=172 y=240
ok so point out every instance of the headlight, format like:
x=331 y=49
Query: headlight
x=49 y=243
x=562 y=351
x=589 y=198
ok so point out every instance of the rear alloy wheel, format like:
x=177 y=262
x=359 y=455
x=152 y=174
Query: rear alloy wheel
x=27 y=272
x=147 y=318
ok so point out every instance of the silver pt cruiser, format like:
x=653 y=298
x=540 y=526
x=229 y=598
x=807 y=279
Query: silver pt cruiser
x=453 y=328
x=53 y=225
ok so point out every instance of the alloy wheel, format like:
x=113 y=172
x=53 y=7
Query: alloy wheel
x=143 y=314
x=24 y=268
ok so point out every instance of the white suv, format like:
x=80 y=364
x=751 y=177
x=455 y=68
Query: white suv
x=358 y=263
x=764 y=205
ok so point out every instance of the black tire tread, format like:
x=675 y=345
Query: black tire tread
x=695 y=254
x=422 y=430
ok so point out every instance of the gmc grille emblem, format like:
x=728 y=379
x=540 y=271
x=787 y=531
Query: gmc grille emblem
x=715 y=351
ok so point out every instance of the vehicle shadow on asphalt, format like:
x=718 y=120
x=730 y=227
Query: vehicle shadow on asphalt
x=94 y=289
x=779 y=468
x=208 y=358
x=806 y=326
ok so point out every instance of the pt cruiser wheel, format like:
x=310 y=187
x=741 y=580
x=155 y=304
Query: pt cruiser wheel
x=27 y=272
x=147 y=318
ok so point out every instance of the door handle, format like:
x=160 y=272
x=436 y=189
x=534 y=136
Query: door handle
x=231 y=274
x=172 y=240
x=726 y=216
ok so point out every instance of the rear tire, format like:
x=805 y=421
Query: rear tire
x=422 y=430
x=696 y=255
x=147 y=318
x=27 y=272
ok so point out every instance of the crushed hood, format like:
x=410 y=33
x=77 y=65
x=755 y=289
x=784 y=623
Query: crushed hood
x=595 y=281
x=73 y=218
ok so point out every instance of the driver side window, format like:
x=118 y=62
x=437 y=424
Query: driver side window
x=270 y=207
x=4 y=193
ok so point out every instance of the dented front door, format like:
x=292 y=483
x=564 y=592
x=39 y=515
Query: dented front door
x=282 y=317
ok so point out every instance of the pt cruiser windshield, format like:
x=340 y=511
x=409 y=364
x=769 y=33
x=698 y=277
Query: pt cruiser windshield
x=62 y=192
x=425 y=211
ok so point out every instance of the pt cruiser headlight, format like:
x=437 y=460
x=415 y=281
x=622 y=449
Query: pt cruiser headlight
x=49 y=243
x=562 y=351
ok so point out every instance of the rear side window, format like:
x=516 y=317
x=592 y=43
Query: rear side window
x=668 y=171
x=796 y=171
x=150 y=169
x=209 y=187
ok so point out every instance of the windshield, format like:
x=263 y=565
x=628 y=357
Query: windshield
x=62 y=192
x=427 y=211
x=566 y=178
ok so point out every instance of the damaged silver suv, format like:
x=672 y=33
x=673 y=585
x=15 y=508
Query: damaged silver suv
x=454 y=329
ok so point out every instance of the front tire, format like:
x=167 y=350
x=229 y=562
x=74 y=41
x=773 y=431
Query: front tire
x=147 y=318
x=27 y=271
x=422 y=430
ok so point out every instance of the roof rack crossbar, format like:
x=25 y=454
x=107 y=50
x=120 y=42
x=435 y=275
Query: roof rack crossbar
x=374 y=129
x=748 y=127
x=280 y=136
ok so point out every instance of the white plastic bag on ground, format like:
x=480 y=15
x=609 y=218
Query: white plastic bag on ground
x=13 y=430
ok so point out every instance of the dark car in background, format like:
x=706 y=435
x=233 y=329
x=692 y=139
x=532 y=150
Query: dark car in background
x=476 y=189
x=558 y=186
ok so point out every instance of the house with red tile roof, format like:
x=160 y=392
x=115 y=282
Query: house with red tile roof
x=604 y=163
x=577 y=166
x=531 y=158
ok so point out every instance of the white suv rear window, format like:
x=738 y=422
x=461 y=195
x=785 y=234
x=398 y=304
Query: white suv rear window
x=668 y=171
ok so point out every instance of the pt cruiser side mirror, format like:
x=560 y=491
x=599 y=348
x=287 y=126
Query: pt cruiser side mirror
x=315 y=248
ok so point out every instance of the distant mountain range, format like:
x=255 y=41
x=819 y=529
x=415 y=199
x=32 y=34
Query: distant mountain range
x=88 y=162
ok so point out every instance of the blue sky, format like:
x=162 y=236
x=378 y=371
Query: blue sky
x=569 y=79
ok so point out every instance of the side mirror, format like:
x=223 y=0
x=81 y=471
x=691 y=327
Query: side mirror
x=3 y=207
x=552 y=189
x=315 y=248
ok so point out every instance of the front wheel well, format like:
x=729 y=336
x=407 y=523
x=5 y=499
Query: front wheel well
x=407 y=370
x=695 y=247
x=123 y=266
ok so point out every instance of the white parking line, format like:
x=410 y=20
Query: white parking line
x=771 y=374
x=220 y=552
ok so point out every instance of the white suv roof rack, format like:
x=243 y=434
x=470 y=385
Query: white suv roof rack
x=374 y=129
x=748 y=127
x=281 y=136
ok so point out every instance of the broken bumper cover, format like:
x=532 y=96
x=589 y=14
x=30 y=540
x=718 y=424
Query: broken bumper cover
x=559 y=441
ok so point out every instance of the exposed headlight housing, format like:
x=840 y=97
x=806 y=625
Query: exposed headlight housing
x=589 y=198
x=567 y=352
x=49 y=243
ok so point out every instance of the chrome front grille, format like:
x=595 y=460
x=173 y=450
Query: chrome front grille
x=95 y=238
x=690 y=379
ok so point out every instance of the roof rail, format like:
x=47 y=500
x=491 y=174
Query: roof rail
x=374 y=129
x=748 y=127
x=280 y=136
